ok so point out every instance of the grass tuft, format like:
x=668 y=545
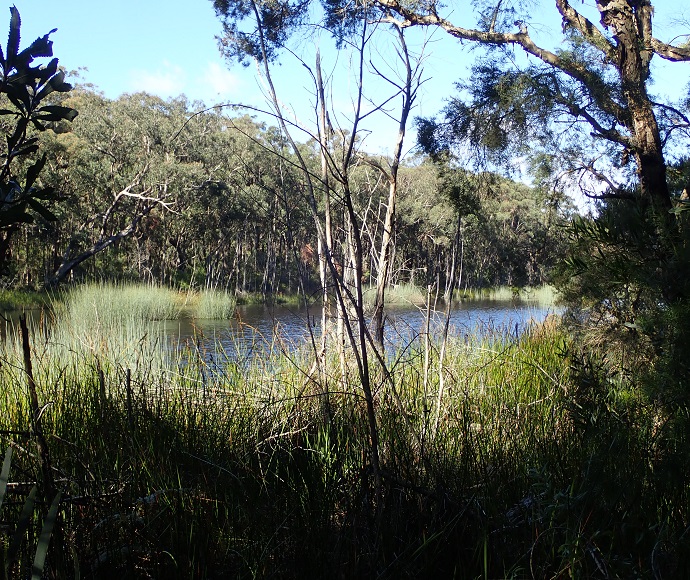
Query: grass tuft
x=212 y=305
x=192 y=462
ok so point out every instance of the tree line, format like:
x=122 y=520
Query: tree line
x=169 y=192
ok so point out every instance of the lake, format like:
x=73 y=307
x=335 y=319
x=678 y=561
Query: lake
x=257 y=330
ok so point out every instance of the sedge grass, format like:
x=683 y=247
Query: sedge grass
x=188 y=464
x=398 y=295
x=406 y=294
x=541 y=295
x=212 y=304
x=108 y=304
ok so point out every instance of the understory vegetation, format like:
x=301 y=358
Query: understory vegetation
x=559 y=450
x=183 y=463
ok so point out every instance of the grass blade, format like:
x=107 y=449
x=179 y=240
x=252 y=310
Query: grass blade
x=5 y=474
x=44 y=540
x=22 y=525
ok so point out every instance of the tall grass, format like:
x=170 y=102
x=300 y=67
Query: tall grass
x=189 y=464
x=398 y=295
x=213 y=304
x=542 y=295
x=406 y=294
x=106 y=304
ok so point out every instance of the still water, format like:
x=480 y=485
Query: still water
x=258 y=330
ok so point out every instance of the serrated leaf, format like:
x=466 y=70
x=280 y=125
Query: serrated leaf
x=14 y=36
x=15 y=100
x=23 y=218
x=48 y=87
x=42 y=46
x=55 y=113
x=25 y=151
x=14 y=139
x=8 y=112
x=47 y=193
x=52 y=67
x=20 y=92
x=15 y=214
x=33 y=171
x=63 y=88
x=58 y=82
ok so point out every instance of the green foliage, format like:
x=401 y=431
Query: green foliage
x=511 y=234
x=213 y=305
x=626 y=281
x=278 y=19
x=25 y=91
x=196 y=467
x=108 y=305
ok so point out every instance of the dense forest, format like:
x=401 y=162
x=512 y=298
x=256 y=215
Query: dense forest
x=554 y=450
x=156 y=191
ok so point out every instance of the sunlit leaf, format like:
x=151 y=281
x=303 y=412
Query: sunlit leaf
x=13 y=39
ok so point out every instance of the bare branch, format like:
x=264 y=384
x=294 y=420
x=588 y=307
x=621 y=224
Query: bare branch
x=584 y=26
x=155 y=200
x=670 y=52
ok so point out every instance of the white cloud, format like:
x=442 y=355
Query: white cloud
x=166 y=81
x=217 y=80
x=170 y=80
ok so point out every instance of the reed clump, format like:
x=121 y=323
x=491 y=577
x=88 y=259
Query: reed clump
x=398 y=295
x=542 y=295
x=212 y=305
x=179 y=463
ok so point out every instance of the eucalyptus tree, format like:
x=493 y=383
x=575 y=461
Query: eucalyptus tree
x=118 y=170
x=259 y=30
x=229 y=220
x=585 y=111
x=176 y=192
x=600 y=81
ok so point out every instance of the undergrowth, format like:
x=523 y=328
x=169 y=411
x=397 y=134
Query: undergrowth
x=186 y=464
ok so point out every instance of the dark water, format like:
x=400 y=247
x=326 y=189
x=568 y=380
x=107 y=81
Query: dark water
x=258 y=330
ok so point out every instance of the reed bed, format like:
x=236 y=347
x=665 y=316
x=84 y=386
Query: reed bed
x=213 y=305
x=191 y=462
x=398 y=294
x=541 y=295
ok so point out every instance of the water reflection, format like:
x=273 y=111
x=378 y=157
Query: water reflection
x=259 y=330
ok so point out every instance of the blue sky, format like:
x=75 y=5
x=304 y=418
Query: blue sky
x=168 y=48
x=129 y=45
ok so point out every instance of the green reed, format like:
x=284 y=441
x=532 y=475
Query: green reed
x=542 y=295
x=193 y=462
x=213 y=304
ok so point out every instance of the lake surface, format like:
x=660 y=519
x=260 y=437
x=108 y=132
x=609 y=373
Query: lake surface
x=257 y=330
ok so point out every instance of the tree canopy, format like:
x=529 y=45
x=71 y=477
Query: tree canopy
x=581 y=113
